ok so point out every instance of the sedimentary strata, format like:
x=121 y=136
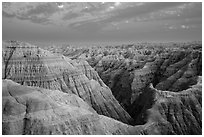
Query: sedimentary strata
x=53 y=94
x=29 y=65
x=128 y=69
x=38 y=111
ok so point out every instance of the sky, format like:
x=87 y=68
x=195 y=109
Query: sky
x=102 y=21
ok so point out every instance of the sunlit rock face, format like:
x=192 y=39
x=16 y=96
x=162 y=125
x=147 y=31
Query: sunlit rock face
x=37 y=111
x=33 y=110
x=29 y=65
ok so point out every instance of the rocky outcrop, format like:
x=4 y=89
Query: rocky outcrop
x=128 y=69
x=84 y=67
x=175 y=112
x=29 y=65
x=144 y=76
x=117 y=74
x=33 y=110
x=180 y=74
x=36 y=111
x=72 y=95
x=174 y=71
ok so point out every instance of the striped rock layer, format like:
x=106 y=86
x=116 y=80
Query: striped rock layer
x=36 y=111
x=78 y=94
x=174 y=112
x=167 y=70
x=173 y=106
x=29 y=65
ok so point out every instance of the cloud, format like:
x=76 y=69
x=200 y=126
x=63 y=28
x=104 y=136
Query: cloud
x=43 y=8
x=70 y=15
x=124 y=11
x=36 y=19
x=5 y=14
x=117 y=10
x=176 y=27
x=36 y=13
x=134 y=11
x=74 y=15
x=184 y=11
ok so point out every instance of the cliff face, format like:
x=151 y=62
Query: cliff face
x=33 y=66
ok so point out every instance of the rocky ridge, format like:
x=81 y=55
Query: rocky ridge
x=33 y=110
x=33 y=66
x=72 y=93
x=38 y=111
x=128 y=69
x=177 y=112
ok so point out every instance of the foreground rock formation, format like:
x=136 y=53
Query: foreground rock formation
x=32 y=110
x=29 y=65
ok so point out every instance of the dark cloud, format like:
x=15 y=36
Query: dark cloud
x=46 y=9
x=5 y=14
x=70 y=15
x=38 y=20
x=5 y=4
x=33 y=18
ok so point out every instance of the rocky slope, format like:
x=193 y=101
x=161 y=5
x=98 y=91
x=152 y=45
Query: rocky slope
x=68 y=96
x=128 y=69
x=29 y=65
x=175 y=71
x=176 y=112
x=33 y=110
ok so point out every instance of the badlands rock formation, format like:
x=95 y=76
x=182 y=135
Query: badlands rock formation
x=29 y=65
x=128 y=69
x=176 y=112
x=33 y=110
x=48 y=93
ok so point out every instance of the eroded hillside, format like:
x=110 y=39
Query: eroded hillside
x=151 y=89
x=128 y=69
x=29 y=65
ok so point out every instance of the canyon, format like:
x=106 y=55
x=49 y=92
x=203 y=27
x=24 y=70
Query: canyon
x=146 y=88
